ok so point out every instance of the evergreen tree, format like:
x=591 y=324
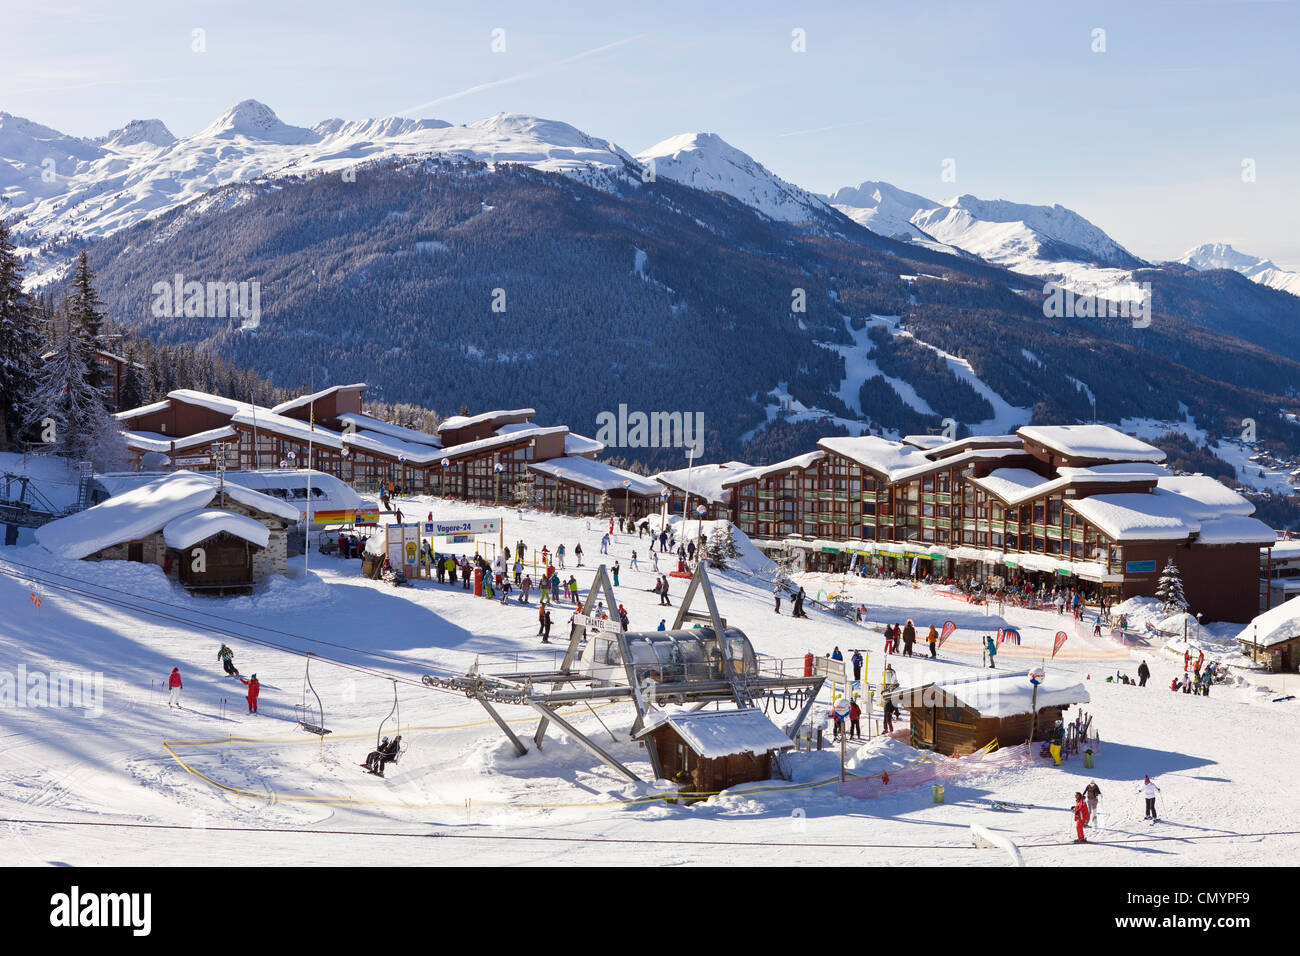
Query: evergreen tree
x=67 y=414
x=86 y=312
x=525 y=494
x=1170 y=589
x=716 y=550
x=135 y=389
x=606 y=507
x=19 y=345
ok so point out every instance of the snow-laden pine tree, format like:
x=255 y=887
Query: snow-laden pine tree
x=66 y=414
x=86 y=312
x=19 y=345
x=606 y=507
x=716 y=549
x=525 y=494
x=1170 y=589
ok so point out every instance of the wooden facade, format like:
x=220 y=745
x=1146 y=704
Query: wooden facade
x=681 y=764
x=959 y=730
x=228 y=564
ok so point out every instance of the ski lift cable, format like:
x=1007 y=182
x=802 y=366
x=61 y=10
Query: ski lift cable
x=34 y=576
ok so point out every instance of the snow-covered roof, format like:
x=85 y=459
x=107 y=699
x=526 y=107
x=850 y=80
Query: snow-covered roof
x=213 y=403
x=704 y=481
x=1215 y=497
x=156 y=441
x=946 y=448
x=304 y=400
x=496 y=441
x=900 y=462
x=582 y=445
x=1274 y=626
x=596 y=475
x=463 y=421
x=147 y=508
x=925 y=441
x=1004 y=695
x=414 y=452
x=1091 y=441
x=762 y=471
x=189 y=529
x=143 y=410
x=338 y=494
x=720 y=733
x=1016 y=485
x=1164 y=515
x=371 y=424
x=265 y=420
x=1286 y=550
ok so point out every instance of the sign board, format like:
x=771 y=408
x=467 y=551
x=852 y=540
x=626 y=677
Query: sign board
x=193 y=460
x=437 y=529
x=1139 y=567
x=410 y=548
x=830 y=669
x=842 y=707
x=611 y=626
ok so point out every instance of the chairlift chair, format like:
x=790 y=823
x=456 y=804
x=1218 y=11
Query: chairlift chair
x=301 y=709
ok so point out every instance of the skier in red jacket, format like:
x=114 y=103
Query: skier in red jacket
x=174 y=682
x=254 y=688
x=1080 y=817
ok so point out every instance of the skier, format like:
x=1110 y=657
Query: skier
x=541 y=620
x=604 y=544
x=776 y=593
x=546 y=627
x=654 y=560
x=227 y=658
x=891 y=710
x=1091 y=793
x=1149 y=790
x=857 y=666
x=932 y=639
x=1080 y=817
x=663 y=592
x=615 y=572
x=174 y=682
x=525 y=586
x=855 y=716
x=991 y=649
x=577 y=553
x=633 y=564
x=254 y=688
x=797 y=610
x=909 y=638
x=384 y=754
x=1144 y=673
x=559 y=557
x=1057 y=737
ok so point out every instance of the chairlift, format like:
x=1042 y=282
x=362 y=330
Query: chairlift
x=395 y=714
x=301 y=710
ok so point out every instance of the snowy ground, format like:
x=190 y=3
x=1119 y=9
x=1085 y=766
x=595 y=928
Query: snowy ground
x=1216 y=759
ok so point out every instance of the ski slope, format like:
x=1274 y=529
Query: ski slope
x=212 y=765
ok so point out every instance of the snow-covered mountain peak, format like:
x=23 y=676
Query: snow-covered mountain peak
x=256 y=121
x=1220 y=255
x=147 y=132
x=707 y=161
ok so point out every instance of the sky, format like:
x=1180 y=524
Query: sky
x=1145 y=128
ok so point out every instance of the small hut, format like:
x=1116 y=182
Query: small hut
x=711 y=750
x=1273 y=638
x=961 y=716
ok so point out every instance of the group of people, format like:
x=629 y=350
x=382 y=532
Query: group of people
x=175 y=684
x=797 y=596
x=1085 y=806
x=387 y=752
x=906 y=635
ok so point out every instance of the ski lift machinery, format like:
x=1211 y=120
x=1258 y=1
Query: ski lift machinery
x=697 y=662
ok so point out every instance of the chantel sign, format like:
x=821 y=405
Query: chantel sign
x=449 y=528
x=595 y=624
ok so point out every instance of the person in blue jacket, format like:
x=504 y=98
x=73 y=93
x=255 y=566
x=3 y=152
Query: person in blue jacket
x=991 y=648
x=857 y=665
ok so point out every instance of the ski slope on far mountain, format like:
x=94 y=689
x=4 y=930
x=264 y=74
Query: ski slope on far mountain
x=1220 y=255
x=1215 y=759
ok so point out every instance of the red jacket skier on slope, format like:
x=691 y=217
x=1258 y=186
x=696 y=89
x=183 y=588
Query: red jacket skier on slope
x=254 y=688
x=1081 y=816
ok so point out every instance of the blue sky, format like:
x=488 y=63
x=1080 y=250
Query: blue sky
x=1147 y=139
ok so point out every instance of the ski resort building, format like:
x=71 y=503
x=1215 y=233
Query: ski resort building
x=1081 y=505
x=239 y=534
x=710 y=750
x=962 y=716
x=706 y=485
x=1273 y=638
x=575 y=485
x=478 y=457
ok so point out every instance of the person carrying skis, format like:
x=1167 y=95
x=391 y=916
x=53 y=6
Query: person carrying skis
x=1081 y=817
x=1149 y=791
x=254 y=688
x=227 y=658
x=1090 y=794
x=174 y=682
